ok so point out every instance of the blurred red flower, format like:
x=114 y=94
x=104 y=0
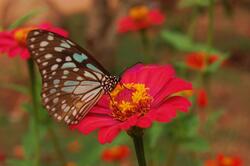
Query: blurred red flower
x=2 y=157
x=222 y=160
x=144 y=94
x=202 y=99
x=116 y=153
x=198 y=61
x=18 y=151
x=140 y=17
x=13 y=42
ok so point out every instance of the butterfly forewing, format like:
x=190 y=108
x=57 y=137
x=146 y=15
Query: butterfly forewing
x=73 y=81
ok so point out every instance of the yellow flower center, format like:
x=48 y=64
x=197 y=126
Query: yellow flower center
x=21 y=34
x=227 y=161
x=139 y=12
x=129 y=99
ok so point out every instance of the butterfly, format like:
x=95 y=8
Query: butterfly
x=72 y=80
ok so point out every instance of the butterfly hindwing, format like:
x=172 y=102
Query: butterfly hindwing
x=72 y=79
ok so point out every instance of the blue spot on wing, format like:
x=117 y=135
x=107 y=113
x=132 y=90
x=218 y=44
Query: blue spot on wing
x=92 y=67
x=68 y=65
x=71 y=83
x=79 y=57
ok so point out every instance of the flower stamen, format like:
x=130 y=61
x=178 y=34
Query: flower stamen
x=128 y=100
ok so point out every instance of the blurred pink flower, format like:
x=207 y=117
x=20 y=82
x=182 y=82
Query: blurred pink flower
x=144 y=94
x=140 y=17
x=13 y=42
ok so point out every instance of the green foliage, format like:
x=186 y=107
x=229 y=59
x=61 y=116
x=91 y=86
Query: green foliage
x=14 y=162
x=193 y=3
x=15 y=87
x=185 y=131
x=23 y=19
x=213 y=118
x=196 y=144
x=155 y=133
x=182 y=42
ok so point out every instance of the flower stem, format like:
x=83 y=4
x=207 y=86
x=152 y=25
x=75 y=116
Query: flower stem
x=146 y=46
x=210 y=33
x=193 y=22
x=56 y=145
x=137 y=136
x=210 y=36
x=35 y=113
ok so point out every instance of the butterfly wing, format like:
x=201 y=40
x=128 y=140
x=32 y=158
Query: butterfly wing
x=72 y=78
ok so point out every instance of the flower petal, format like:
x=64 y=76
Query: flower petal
x=153 y=76
x=167 y=110
x=174 y=85
x=100 y=110
x=144 y=122
x=107 y=134
x=126 y=24
x=50 y=27
x=92 y=122
x=25 y=54
x=156 y=17
x=14 y=51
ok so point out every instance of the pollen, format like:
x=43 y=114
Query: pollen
x=128 y=100
x=20 y=35
x=139 y=12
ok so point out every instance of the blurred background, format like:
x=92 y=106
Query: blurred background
x=181 y=35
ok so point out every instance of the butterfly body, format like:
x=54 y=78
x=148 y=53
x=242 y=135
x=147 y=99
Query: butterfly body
x=73 y=81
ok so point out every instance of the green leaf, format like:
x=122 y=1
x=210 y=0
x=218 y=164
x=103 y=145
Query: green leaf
x=182 y=42
x=197 y=144
x=213 y=118
x=177 y=40
x=23 y=19
x=216 y=65
x=14 y=162
x=18 y=88
x=193 y=3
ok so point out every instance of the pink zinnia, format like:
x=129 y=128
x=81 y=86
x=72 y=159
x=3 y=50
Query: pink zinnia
x=146 y=93
x=140 y=17
x=13 y=42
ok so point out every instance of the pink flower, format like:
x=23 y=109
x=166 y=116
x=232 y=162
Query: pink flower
x=144 y=94
x=13 y=42
x=140 y=17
